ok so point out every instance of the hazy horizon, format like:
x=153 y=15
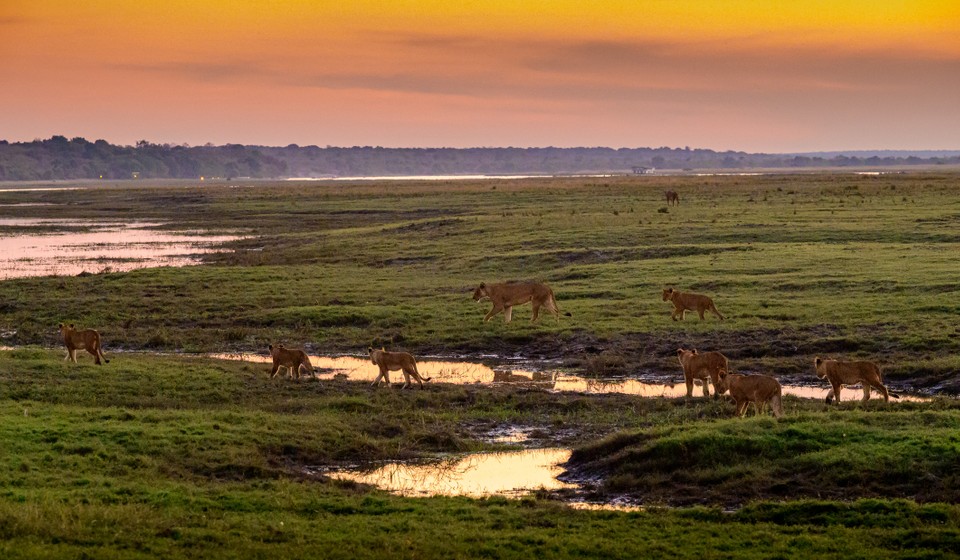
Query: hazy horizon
x=818 y=153
x=738 y=75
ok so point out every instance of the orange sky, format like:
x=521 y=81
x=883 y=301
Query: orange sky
x=750 y=75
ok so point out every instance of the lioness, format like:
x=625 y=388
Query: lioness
x=683 y=302
x=757 y=389
x=293 y=359
x=504 y=296
x=702 y=366
x=393 y=361
x=841 y=373
x=88 y=339
x=672 y=198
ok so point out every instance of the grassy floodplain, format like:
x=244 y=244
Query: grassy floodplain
x=172 y=456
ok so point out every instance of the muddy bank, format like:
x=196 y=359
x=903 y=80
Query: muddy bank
x=871 y=452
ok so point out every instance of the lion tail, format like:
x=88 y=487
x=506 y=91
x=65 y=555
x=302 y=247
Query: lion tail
x=417 y=371
x=556 y=308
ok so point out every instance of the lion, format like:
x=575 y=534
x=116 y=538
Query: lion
x=683 y=302
x=393 y=361
x=757 y=389
x=293 y=359
x=841 y=373
x=504 y=296
x=672 y=198
x=702 y=366
x=88 y=339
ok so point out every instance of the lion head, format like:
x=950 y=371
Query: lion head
x=667 y=293
x=480 y=293
x=721 y=385
x=821 y=373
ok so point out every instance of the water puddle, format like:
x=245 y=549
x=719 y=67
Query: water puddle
x=42 y=247
x=511 y=474
x=463 y=373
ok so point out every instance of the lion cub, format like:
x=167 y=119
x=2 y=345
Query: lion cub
x=393 y=361
x=683 y=302
x=293 y=359
x=757 y=389
x=87 y=339
x=702 y=366
x=841 y=373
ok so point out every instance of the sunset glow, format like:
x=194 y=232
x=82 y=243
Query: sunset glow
x=748 y=74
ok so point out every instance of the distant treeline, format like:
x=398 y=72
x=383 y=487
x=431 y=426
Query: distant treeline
x=78 y=158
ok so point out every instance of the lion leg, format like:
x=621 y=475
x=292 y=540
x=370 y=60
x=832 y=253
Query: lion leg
x=834 y=394
x=676 y=311
x=883 y=390
x=700 y=313
x=412 y=372
x=776 y=405
x=742 y=408
x=96 y=355
x=496 y=309
x=102 y=355
x=385 y=375
x=688 y=379
x=507 y=313
x=706 y=388
x=536 y=311
x=73 y=355
x=416 y=375
x=866 y=392
x=66 y=358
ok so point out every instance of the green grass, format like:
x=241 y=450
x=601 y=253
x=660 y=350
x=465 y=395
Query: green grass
x=906 y=451
x=801 y=264
x=183 y=457
x=176 y=456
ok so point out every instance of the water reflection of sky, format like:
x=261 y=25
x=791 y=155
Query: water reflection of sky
x=512 y=473
x=360 y=369
x=41 y=247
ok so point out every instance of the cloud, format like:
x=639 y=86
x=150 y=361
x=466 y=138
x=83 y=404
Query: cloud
x=201 y=71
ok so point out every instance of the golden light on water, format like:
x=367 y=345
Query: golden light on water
x=478 y=475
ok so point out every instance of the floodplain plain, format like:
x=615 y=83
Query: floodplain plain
x=183 y=456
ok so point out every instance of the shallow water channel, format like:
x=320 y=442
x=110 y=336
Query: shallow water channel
x=551 y=379
x=42 y=247
x=513 y=473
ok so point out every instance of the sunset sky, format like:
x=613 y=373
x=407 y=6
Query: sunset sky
x=773 y=76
